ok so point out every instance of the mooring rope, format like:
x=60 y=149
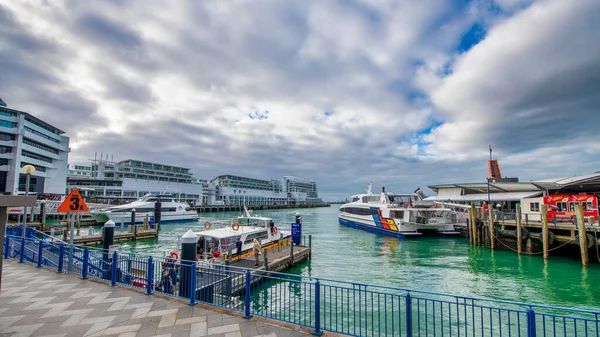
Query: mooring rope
x=549 y=250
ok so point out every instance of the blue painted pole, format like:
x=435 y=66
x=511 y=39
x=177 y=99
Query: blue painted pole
x=6 y=247
x=408 y=315
x=149 y=276
x=40 y=250
x=193 y=284
x=61 y=258
x=317 y=330
x=86 y=258
x=531 y=322
x=247 y=304
x=113 y=274
x=22 y=256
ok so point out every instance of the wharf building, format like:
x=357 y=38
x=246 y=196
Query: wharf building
x=232 y=190
x=106 y=181
x=27 y=140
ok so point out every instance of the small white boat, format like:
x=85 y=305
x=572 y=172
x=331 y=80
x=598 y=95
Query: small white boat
x=400 y=215
x=247 y=227
x=171 y=211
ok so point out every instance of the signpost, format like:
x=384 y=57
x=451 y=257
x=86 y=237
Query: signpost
x=296 y=233
x=74 y=203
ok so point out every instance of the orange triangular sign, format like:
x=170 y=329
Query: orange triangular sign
x=73 y=204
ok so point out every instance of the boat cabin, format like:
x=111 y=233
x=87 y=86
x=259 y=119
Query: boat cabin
x=560 y=206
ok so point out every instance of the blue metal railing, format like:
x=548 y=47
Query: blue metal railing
x=322 y=304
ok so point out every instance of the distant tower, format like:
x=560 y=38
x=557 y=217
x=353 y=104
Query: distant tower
x=493 y=167
x=2 y=103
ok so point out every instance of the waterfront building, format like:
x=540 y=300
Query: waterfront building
x=27 y=140
x=79 y=170
x=236 y=191
x=127 y=180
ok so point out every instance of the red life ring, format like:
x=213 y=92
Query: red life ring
x=207 y=225
x=174 y=255
x=435 y=205
x=405 y=205
x=274 y=230
x=235 y=226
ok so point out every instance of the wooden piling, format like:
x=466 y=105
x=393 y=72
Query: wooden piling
x=43 y=215
x=491 y=220
x=582 y=235
x=472 y=213
x=519 y=230
x=292 y=254
x=265 y=259
x=310 y=246
x=544 y=211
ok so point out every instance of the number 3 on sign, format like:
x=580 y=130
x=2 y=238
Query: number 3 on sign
x=73 y=203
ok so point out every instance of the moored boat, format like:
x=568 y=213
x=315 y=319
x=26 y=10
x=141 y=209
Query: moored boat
x=400 y=215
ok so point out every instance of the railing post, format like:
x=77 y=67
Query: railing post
x=113 y=267
x=6 y=247
x=40 y=250
x=408 y=315
x=193 y=281
x=61 y=258
x=317 y=330
x=247 y=304
x=149 y=276
x=85 y=267
x=530 y=322
x=22 y=255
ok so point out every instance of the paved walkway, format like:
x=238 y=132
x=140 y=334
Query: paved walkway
x=40 y=302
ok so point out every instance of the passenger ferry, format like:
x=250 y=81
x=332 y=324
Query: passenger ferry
x=247 y=227
x=171 y=210
x=400 y=215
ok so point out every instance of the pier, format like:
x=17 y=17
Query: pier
x=523 y=236
x=234 y=208
x=320 y=305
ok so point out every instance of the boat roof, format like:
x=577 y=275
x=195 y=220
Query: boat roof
x=222 y=233
x=262 y=218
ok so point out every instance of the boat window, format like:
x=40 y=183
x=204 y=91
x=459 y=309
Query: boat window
x=356 y=210
x=355 y=199
x=561 y=206
x=259 y=236
x=399 y=214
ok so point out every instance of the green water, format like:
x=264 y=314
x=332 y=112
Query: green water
x=447 y=265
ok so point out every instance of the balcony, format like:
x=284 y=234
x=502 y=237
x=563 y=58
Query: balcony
x=59 y=146
x=41 y=152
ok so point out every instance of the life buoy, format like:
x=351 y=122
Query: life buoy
x=435 y=205
x=197 y=259
x=405 y=205
x=207 y=225
x=275 y=230
x=235 y=226
x=174 y=255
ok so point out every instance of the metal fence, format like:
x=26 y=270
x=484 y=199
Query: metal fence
x=349 y=308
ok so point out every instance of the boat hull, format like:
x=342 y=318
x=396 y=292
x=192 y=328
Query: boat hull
x=125 y=218
x=374 y=229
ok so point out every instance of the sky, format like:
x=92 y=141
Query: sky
x=405 y=94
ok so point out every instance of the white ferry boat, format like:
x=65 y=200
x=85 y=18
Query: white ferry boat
x=247 y=227
x=400 y=215
x=171 y=211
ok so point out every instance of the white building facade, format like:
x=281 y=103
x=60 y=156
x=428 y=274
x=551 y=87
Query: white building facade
x=25 y=139
x=127 y=180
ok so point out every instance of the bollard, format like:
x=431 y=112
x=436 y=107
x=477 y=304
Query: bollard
x=189 y=242
x=108 y=238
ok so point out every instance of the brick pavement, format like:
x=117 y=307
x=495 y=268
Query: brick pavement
x=39 y=302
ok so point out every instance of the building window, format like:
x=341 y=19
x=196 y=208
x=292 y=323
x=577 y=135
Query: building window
x=37 y=133
x=6 y=112
x=7 y=124
x=6 y=136
x=43 y=147
x=534 y=206
x=41 y=125
x=5 y=149
x=36 y=156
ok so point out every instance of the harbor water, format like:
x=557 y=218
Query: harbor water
x=440 y=264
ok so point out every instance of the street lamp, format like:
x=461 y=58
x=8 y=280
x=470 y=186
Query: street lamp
x=28 y=170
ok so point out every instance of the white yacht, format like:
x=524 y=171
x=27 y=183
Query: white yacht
x=400 y=215
x=247 y=227
x=171 y=211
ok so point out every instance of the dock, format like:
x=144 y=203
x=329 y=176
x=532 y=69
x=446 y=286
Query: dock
x=524 y=236
x=234 y=208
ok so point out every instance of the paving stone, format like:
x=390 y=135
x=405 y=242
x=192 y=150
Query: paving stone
x=223 y=329
x=248 y=329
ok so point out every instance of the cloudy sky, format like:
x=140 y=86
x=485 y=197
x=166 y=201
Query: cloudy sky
x=401 y=93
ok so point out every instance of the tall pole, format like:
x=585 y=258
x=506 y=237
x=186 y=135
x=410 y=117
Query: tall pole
x=25 y=207
x=488 y=183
